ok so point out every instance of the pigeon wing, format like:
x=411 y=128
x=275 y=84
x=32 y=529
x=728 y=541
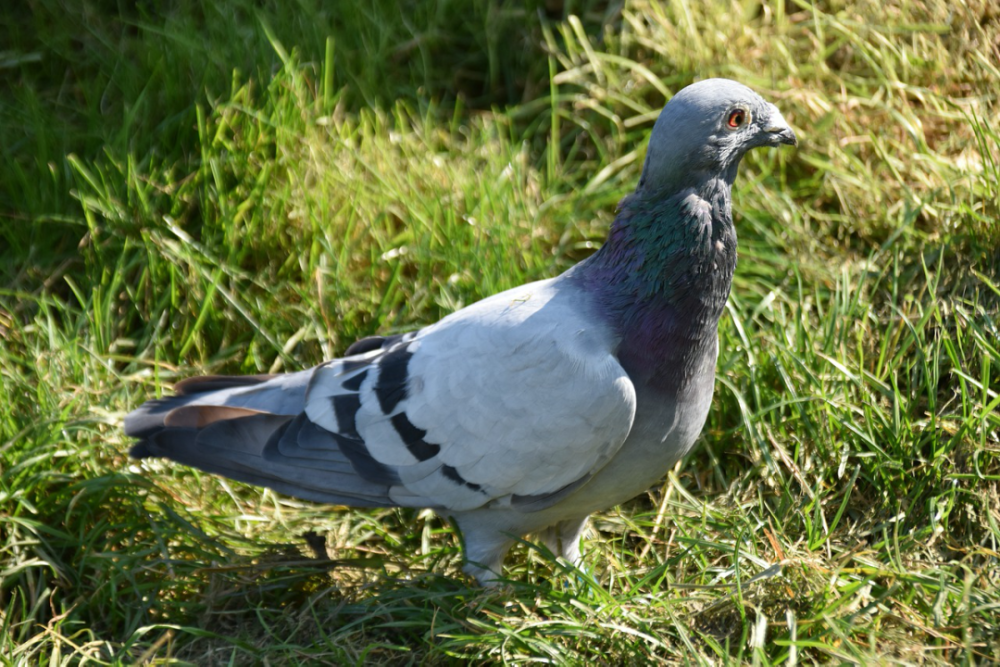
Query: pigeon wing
x=515 y=399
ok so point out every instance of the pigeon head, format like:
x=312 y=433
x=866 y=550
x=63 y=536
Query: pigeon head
x=704 y=132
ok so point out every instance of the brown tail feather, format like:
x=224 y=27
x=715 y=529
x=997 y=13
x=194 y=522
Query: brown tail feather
x=200 y=416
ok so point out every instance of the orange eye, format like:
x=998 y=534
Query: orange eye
x=737 y=118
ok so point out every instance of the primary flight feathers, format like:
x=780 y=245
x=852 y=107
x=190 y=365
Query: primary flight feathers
x=531 y=409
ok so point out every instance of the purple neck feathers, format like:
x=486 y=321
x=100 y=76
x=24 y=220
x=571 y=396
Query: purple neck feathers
x=663 y=277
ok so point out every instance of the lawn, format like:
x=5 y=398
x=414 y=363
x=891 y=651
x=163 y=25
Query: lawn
x=249 y=186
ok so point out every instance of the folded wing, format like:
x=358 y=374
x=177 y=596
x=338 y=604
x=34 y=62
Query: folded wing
x=515 y=400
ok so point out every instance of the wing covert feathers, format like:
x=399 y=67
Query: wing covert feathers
x=514 y=401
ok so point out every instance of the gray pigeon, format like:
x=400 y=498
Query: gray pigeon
x=531 y=409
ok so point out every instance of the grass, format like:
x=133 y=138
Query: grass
x=249 y=187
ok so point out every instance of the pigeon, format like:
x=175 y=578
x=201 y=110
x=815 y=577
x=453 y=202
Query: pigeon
x=526 y=412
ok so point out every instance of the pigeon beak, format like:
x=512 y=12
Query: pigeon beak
x=776 y=129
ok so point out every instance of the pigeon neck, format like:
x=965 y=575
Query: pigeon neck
x=664 y=275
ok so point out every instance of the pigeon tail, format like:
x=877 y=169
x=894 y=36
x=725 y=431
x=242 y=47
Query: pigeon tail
x=253 y=429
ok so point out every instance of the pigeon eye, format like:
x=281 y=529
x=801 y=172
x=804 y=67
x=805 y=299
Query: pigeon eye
x=737 y=118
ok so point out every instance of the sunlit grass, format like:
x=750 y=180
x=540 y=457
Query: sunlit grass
x=252 y=190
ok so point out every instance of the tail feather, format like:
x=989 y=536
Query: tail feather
x=180 y=447
x=255 y=430
x=206 y=383
x=200 y=416
x=149 y=417
x=273 y=394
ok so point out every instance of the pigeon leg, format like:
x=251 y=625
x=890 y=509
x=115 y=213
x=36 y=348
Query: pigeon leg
x=563 y=539
x=484 y=548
